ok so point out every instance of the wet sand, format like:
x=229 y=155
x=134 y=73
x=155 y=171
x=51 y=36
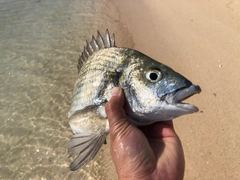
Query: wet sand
x=201 y=40
x=40 y=42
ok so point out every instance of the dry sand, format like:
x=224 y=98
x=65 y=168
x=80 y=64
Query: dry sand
x=201 y=40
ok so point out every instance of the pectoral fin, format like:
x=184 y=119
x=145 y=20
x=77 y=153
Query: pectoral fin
x=85 y=147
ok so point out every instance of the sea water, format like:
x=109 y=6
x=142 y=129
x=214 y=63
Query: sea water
x=40 y=42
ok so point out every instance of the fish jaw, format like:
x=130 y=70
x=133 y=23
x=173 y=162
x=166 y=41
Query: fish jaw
x=178 y=96
x=173 y=105
x=167 y=108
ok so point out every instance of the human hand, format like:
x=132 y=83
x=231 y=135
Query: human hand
x=149 y=152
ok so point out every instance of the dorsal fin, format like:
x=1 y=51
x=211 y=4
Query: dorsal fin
x=95 y=45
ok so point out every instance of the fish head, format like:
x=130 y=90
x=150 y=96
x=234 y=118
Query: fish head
x=155 y=92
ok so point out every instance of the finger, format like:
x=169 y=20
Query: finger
x=168 y=123
x=159 y=130
x=116 y=115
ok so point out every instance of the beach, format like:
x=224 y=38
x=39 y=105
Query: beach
x=41 y=42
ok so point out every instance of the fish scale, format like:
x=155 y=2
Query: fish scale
x=92 y=76
x=153 y=93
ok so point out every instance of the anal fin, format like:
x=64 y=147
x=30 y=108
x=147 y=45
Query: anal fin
x=85 y=147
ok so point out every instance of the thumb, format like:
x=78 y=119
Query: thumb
x=116 y=115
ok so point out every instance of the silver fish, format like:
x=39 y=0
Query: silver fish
x=154 y=92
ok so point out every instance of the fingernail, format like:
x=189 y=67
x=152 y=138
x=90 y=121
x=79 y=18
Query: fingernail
x=116 y=91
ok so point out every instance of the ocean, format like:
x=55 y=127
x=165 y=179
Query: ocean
x=40 y=42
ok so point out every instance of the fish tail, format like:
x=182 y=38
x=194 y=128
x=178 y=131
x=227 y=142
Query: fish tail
x=85 y=147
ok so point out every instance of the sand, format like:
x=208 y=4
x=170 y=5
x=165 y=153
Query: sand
x=201 y=40
x=40 y=42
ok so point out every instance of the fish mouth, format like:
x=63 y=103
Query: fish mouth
x=180 y=95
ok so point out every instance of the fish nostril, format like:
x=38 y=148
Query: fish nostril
x=187 y=82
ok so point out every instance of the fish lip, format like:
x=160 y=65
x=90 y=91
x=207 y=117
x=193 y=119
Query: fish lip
x=179 y=95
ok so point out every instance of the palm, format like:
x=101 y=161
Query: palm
x=151 y=151
x=169 y=158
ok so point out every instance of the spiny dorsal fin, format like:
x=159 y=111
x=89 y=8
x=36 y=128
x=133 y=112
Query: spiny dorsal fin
x=95 y=45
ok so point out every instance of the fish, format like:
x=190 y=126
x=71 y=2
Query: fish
x=154 y=92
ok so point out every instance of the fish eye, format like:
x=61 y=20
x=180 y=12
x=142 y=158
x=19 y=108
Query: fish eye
x=153 y=75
